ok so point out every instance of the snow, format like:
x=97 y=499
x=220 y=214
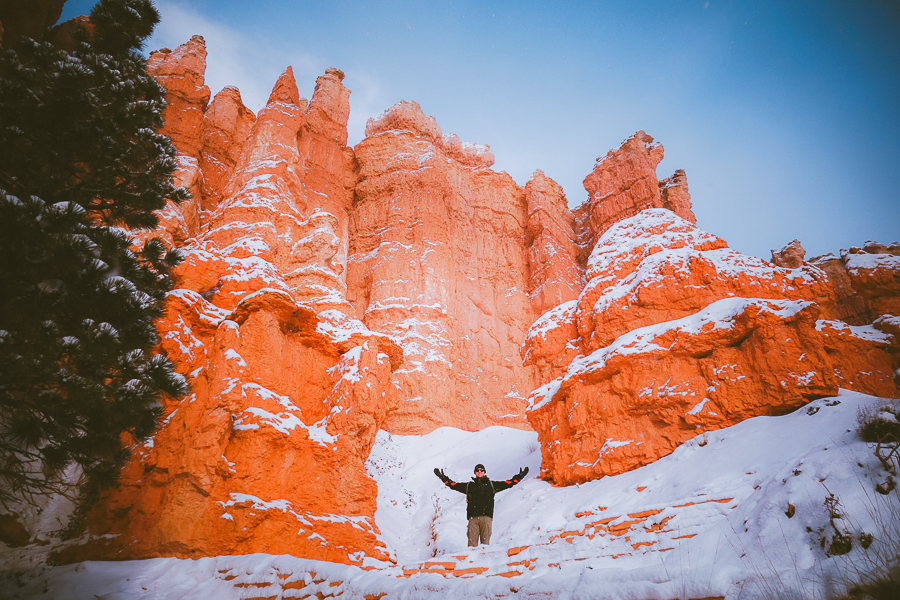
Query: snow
x=552 y=319
x=243 y=270
x=644 y=234
x=699 y=407
x=857 y=264
x=339 y=327
x=231 y=354
x=863 y=332
x=285 y=421
x=887 y=320
x=656 y=245
x=249 y=245
x=477 y=149
x=708 y=520
x=348 y=366
x=206 y=311
x=718 y=315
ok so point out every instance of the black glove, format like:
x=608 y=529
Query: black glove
x=521 y=474
x=441 y=476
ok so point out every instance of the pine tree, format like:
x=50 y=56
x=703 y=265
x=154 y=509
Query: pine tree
x=80 y=164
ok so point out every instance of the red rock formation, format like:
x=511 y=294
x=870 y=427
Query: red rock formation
x=657 y=267
x=328 y=292
x=673 y=192
x=623 y=183
x=288 y=390
x=890 y=325
x=552 y=341
x=554 y=273
x=181 y=73
x=437 y=262
x=866 y=282
x=677 y=338
x=261 y=457
x=226 y=126
x=875 y=276
x=789 y=257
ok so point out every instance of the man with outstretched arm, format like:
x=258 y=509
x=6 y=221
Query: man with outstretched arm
x=480 y=500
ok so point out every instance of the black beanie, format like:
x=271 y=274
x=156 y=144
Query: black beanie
x=479 y=466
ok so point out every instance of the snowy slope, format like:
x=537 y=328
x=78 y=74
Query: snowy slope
x=709 y=520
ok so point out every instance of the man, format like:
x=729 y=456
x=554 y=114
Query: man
x=480 y=500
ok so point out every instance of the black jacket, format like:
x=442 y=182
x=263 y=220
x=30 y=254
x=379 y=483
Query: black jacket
x=480 y=494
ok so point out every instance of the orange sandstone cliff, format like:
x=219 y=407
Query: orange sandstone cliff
x=438 y=263
x=328 y=292
x=675 y=334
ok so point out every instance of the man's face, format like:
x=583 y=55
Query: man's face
x=479 y=473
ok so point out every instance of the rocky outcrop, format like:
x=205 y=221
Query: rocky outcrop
x=555 y=275
x=678 y=334
x=623 y=183
x=674 y=195
x=267 y=453
x=657 y=267
x=288 y=388
x=874 y=274
x=866 y=282
x=789 y=257
x=437 y=262
x=328 y=292
x=227 y=124
x=181 y=73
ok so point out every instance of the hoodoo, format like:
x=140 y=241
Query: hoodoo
x=403 y=285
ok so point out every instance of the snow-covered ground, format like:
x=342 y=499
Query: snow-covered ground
x=712 y=519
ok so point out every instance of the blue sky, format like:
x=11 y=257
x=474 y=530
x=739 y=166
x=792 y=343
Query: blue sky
x=785 y=114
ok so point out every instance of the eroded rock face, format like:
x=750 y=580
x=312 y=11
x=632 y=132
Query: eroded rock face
x=181 y=73
x=674 y=194
x=226 y=125
x=288 y=388
x=266 y=454
x=437 y=262
x=328 y=292
x=677 y=334
x=789 y=257
x=866 y=282
x=623 y=183
x=656 y=267
x=555 y=275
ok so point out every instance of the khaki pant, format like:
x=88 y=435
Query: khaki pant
x=479 y=528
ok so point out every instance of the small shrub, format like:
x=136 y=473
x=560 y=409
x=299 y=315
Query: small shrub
x=887 y=486
x=865 y=540
x=884 y=589
x=880 y=424
x=840 y=544
x=432 y=527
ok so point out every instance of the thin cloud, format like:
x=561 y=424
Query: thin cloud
x=249 y=62
x=252 y=63
x=367 y=100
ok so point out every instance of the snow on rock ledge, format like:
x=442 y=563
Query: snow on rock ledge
x=675 y=333
x=636 y=400
x=656 y=266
